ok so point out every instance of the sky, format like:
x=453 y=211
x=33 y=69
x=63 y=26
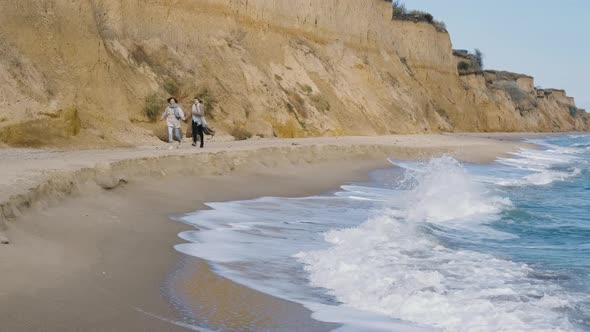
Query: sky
x=546 y=39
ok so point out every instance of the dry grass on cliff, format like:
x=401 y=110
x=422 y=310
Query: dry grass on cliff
x=512 y=89
x=240 y=133
x=56 y=127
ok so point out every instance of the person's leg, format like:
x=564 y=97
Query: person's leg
x=177 y=132
x=170 y=138
x=200 y=129
x=195 y=126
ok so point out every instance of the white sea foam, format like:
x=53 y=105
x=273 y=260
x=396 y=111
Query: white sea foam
x=540 y=167
x=385 y=255
x=393 y=265
x=548 y=177
x=252 y=242
x=390 y=267
x=444 y=192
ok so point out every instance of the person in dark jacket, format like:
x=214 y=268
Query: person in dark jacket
x=199 y=122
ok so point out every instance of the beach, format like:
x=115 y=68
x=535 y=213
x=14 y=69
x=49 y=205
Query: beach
x=367 y=166
x=92 y=243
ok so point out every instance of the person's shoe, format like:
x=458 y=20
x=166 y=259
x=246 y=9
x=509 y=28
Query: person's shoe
x=170 y=147
x=179 y=145
x=194 y=144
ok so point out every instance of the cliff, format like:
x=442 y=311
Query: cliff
x=79 y=72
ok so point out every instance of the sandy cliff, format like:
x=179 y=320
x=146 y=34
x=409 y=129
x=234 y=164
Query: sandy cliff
x=78 y=72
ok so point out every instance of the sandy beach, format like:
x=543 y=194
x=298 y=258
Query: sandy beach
x=91 y=240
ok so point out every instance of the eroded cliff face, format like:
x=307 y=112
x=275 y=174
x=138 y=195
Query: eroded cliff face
x=269 y=67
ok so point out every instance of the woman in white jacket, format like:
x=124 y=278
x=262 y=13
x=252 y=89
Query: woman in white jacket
x=173 y=115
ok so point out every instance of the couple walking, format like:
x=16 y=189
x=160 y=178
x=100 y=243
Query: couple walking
x=174 y=114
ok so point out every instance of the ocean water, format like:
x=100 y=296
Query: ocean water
x=422 y=246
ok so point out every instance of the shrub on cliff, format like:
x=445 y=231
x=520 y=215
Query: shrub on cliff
x=479 y=59
x=401 y=13
x=463 y=66
x=470 y=62
x=154 y=106
x=207 y=98
x=172 y=88
x=421 y=14
x=439 y=25
x=523 y=101
x=399 y=8
x=240 y=133
x=512 y=89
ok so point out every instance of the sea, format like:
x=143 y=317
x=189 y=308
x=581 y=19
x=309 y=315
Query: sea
x=431 y=245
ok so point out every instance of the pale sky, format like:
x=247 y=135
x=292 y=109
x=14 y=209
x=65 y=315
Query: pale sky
x=547 y=39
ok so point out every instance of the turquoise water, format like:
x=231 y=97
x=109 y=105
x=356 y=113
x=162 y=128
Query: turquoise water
x=432 y=245
x=551 y=222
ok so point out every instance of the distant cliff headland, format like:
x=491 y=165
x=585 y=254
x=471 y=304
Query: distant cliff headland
x=94 y=73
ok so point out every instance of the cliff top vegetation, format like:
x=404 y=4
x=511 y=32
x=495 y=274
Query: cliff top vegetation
x=400 y=12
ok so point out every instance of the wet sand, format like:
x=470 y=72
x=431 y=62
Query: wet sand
x=85 y=258
x=104 y=260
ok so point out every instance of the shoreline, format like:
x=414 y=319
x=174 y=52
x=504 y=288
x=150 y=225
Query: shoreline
x=231 y=306
x=38 y=177
x=122 y=251
x=114 y=271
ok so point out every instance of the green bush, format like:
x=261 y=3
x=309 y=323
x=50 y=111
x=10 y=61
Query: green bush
x=473 y=61
x=422 y=15
x=401 y=13
x=154 y=106
x=479 y=58
x=171 y=88
x=463 y=66
x=399 y=9
x=439 y=25
x=207 y=98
